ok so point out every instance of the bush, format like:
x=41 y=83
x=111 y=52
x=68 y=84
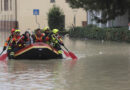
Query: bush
x=93 y=32
x=56 y=18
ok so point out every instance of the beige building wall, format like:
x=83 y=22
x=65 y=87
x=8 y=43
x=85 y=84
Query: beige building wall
x=8 y=15
x=26 y=18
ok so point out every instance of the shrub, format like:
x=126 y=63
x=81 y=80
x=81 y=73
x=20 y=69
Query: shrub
x=56 y=18
x=93 y=32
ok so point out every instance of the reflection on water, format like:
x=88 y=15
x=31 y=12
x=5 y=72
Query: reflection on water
x=101 y=66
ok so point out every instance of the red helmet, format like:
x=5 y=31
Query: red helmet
x=12 y=30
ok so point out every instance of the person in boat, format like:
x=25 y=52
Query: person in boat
x=56 y=40
x=17 y=41
x=38 y=36
x=47 y=36
x=27 y=38
x=8 y=41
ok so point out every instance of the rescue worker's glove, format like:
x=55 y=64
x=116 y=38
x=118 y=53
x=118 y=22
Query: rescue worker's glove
x=4 y=48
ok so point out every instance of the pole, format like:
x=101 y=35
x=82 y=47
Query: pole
x=37 y=21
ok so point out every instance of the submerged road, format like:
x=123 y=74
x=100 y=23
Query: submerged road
x=101 y=66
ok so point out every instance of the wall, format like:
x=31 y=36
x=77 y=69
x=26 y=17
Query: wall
x=26 y=18
x=7 y=17
x=119 y=21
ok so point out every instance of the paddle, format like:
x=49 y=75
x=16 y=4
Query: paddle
x=72 y=55
x=1 y=52
x=3 y=56
x=66 y=54
x=19 y=39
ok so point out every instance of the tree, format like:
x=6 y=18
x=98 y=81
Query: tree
x=110 y=8
x=56 y=18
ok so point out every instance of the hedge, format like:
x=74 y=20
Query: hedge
x=93 y=32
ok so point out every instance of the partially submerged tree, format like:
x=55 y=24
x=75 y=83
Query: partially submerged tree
x=110 y=8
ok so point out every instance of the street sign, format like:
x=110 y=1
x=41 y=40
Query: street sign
x=35 y=11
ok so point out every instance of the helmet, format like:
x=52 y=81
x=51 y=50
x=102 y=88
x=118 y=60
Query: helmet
x=46 y=28
x=13 y=30
x=55 y=31
x=17 y=30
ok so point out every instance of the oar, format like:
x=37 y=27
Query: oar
x=66 y=54
x=4 y=48
x=1 y=53
x=19 y=39
x=72 y=55
x=4 y=56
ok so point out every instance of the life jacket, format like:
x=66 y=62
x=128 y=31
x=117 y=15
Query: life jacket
x=39 y=39
x=56 y=39
x=8 y=40
x=47 y=38
x=18 y=41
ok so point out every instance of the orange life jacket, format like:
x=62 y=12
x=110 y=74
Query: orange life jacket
x=18 y=41
x=39 y=39
x=9 y=39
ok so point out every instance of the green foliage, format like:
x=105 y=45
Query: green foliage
x=110 y=8
x=62 y=33
x=93 y=32
x=56 y=18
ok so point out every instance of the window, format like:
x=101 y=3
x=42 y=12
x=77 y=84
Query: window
x=52 y=1
x=6 y=5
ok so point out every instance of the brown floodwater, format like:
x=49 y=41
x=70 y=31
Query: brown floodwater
x=101 y=65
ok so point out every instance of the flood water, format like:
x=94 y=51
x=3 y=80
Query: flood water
x=102 y=65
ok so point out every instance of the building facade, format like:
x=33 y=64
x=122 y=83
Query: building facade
x=19 y=13
x=8 y=14
x=119 y=21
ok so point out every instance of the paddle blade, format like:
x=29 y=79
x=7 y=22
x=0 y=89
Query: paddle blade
x=67 y=54
x=3 y=57
x=74 y=57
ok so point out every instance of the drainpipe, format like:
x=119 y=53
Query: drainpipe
x=16 y=22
